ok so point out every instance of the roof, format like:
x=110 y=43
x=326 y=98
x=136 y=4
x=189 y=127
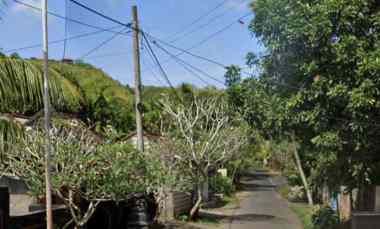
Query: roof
x=146 y=134
x=70 y=120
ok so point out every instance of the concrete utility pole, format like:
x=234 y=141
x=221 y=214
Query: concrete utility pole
x=137 y=70
x=45 y=51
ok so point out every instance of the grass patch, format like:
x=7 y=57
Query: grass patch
x=208 y=220
x=284 y=191
x=231 y=201
x=304 y=212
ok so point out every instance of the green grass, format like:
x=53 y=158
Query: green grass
x=231 y=201
x=284 y=191
x=304 y=212
x=208 y=220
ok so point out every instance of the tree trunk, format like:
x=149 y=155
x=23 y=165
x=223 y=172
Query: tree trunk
x=195 y=208
x=205 y=190
x=302 y=174
x=326 y=199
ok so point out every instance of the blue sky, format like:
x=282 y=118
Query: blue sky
x=165 y=19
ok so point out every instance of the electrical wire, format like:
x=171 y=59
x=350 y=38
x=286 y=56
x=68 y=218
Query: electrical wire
x=65 y=18
x=202 y=26
x=198 y=19
x=155 y=58
x=188 y=65
x=203 y=41
x=100 y=14
x=108 y=55
x=62 y=40
x=151 y=71
x=148 y=44
x=189 y=53
x=101 y=44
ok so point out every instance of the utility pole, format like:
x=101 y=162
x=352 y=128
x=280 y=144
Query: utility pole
x=137 y=70
x=45 y=51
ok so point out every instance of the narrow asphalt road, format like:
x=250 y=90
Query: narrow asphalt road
x=261 y=207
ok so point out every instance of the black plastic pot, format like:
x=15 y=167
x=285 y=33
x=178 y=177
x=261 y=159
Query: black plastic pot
x=139 y=213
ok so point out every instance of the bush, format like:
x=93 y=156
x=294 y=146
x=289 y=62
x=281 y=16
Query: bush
x=296 y=194
x=324 y=218
x=220 y=184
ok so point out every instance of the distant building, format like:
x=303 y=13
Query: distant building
x=67 y=61
x=148 y=138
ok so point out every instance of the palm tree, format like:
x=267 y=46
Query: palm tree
x=10 y=132
x=21 y=91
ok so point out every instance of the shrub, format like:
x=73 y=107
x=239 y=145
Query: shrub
x=296 y=193
x=221 y=184
x=324 y=218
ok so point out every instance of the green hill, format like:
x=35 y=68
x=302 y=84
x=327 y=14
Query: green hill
x=74 y=88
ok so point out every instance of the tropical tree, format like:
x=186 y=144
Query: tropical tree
x=21 y=91
x=21 y=88
x=325 y=54
x=84 y=170
x=204 y=138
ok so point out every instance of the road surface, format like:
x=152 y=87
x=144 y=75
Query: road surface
x=261 y=207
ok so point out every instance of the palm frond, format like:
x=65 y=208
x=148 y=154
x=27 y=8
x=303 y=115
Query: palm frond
x=21 y=88
x=10 y=133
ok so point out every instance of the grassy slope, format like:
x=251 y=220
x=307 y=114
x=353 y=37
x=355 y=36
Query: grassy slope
x=93 y=82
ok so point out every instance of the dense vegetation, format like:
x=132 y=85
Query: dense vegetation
x=316 y=90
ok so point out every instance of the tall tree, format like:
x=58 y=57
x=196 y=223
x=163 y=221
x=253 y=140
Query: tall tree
x=327 y=53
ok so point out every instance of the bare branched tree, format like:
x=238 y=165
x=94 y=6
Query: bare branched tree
x=204 y=138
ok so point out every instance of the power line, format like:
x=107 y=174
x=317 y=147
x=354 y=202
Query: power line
x=151 y=71
x=101 y=44
x=202 y=26
x=190 y=53
x=62 y=40
x=100 y=14
x=199 y=18
x=154 y=56
x=180 y=62
x=183 y=51
x=218 y=32
x=187 y=65
x=109 y=55
x=65 y=18
x=155 y=59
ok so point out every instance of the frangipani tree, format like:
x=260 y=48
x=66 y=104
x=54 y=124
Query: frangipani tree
x=204 y=139
x=83 y=169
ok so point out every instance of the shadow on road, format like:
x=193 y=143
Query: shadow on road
x=255 y=187
x=241 y=218
x=255 y=181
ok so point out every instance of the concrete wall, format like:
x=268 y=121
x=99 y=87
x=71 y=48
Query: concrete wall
x=365 y=220
x=177 y=203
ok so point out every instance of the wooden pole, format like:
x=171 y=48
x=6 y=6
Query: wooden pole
x=45 y=51
x=302 y=174
x=4 y=208
x=137 y=71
